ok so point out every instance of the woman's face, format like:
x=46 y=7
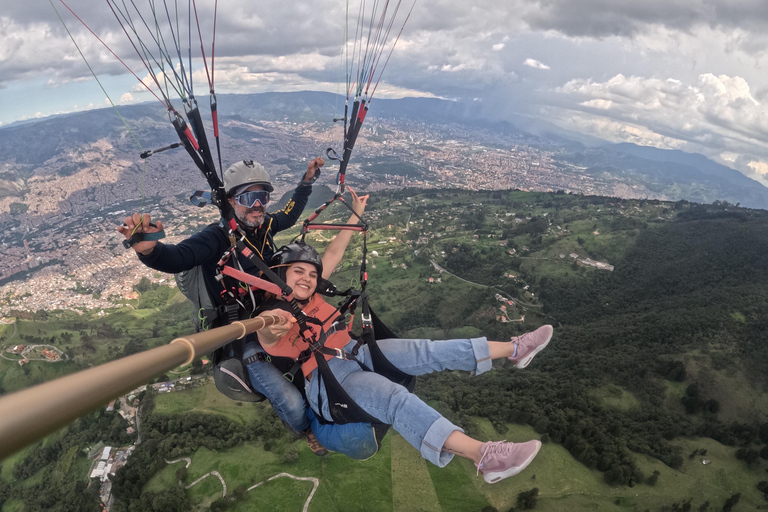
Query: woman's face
x=302 y=278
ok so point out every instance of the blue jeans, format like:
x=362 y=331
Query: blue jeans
x=423 y=427
x=285 y=398
x=355 y=440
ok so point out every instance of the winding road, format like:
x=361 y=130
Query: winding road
x=315 y=481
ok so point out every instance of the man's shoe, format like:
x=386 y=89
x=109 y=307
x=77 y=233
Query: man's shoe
x=501 y=460
x=314 y=445
x=530 y=344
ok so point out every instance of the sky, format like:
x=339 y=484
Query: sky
x=674 y=74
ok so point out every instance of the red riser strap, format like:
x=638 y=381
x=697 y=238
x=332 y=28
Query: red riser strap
x=336 y=227
x=261 y=284
x=191 y=138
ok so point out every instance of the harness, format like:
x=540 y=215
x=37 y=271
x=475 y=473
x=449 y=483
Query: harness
x=236 y=301
x=342 y=408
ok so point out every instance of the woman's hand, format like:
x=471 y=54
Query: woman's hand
x=271 y=334
x=358 y=203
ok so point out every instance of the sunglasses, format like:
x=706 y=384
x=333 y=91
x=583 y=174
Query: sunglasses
x=249 y=199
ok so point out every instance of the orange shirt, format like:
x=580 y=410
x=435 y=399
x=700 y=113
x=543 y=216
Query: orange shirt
x=291 y=345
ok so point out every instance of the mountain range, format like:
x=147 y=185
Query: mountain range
x=90 y=159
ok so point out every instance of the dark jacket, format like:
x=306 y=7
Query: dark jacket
x=206 y=247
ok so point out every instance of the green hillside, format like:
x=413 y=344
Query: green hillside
x=658 y=363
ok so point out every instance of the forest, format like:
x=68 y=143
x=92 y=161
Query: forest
x=697 y=284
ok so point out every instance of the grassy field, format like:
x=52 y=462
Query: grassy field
x=398 y=479
x=412 y=487
x=207 y=399
x=88 y=338
x=614 y=397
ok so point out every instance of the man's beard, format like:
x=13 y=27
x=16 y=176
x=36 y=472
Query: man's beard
x=248 y=224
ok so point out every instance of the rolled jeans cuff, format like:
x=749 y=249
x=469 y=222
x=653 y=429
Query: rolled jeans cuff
x=434 y=440
x=482 y=355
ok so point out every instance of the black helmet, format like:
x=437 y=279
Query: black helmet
x=294 y=253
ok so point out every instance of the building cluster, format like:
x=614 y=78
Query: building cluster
x=50 y=354
x=588 y=261
x=86 y=265
x=106 y=461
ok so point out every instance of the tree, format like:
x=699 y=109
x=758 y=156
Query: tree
x=526 y=500
x=197 y=367
x=764 y=432
x=144 y=285
x=18 y=208
x=711 y=406
x=291 y=454
x=731 y=502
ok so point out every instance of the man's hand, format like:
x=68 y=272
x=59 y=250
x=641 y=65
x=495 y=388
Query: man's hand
x=140 y=224
x=270 y=335
x=312 y=168
x=358 y=203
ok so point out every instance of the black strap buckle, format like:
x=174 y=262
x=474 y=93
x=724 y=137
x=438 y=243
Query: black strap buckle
x=143 y=237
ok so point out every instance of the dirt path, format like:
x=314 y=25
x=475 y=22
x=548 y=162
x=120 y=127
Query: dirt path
x=315 y=484
x=214 y=473
x=315 y=481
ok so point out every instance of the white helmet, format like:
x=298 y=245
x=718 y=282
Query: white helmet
x=246 y=172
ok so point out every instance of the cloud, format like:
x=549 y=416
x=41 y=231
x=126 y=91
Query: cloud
x=126 y=98
x=716 y=115
x=759 y=167
x=688 y=74
x=533 y=63
x=597 y=104
x=604 y=18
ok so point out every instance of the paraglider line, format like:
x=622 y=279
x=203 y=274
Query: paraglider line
x=133 y=135
x=202 y=48
x=105 y=46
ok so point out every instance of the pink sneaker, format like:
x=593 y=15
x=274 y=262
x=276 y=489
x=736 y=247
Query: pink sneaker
x=501 y=459
x=530 y=344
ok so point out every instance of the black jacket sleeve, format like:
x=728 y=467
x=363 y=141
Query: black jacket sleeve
x=203 y=248
x=287 y=217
